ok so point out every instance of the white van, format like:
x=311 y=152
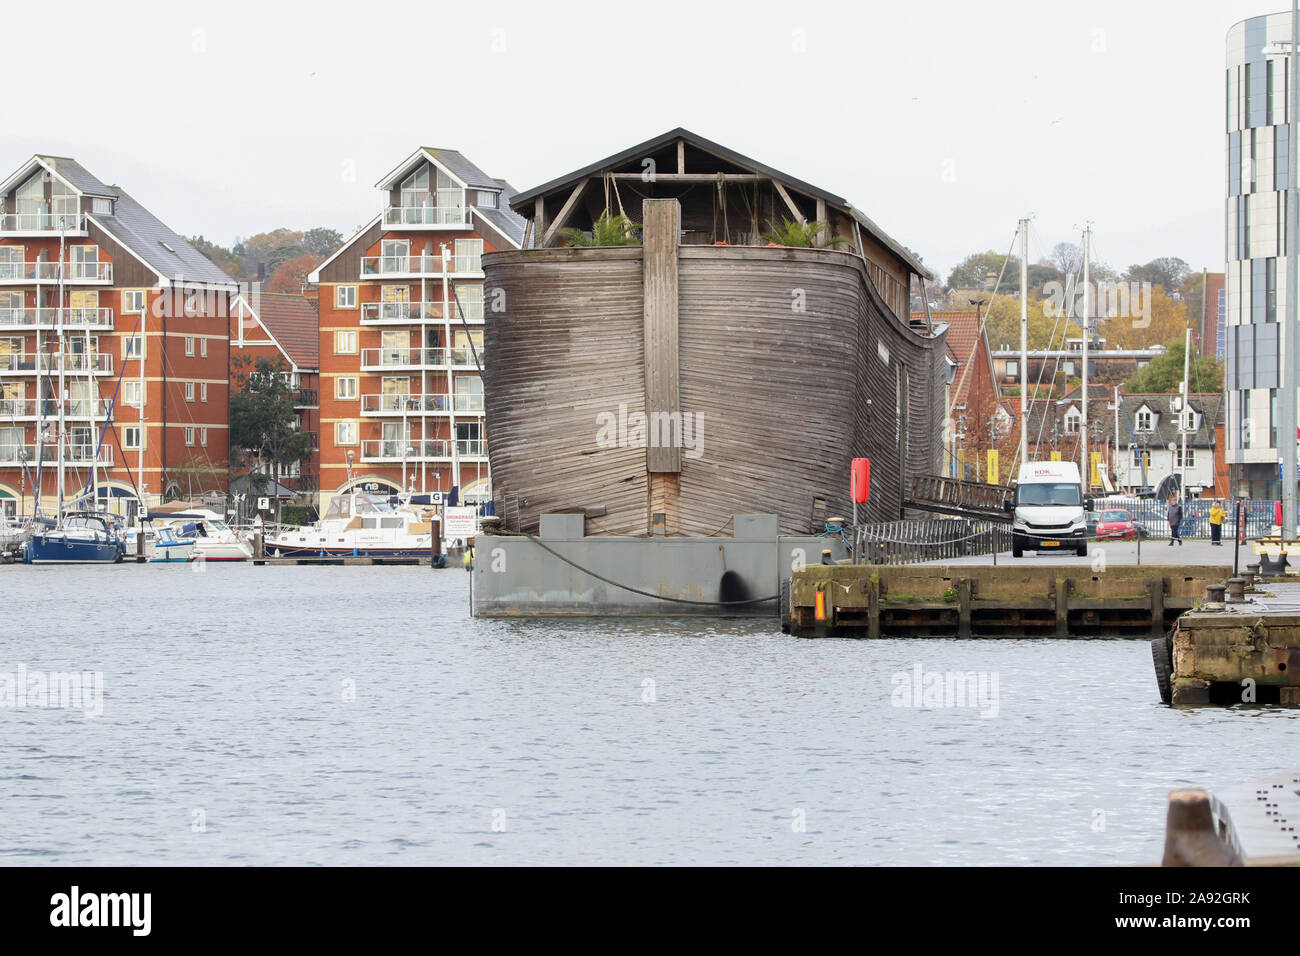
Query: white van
x=1049 y=510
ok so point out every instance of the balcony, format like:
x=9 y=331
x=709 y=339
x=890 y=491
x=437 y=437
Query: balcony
x=19 y=409
x=306 y=398
x=32 y=363
x=382 y=360
x=409 y=313
x=80 y=454
x=46 y=270
x=415 y=267
x=418 y=450
x=426 y=217
x=50 y=318
x=431 y=404
x=42 y=224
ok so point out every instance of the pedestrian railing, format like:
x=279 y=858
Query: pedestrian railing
x=914 y=540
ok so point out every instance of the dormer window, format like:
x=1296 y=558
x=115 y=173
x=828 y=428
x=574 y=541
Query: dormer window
x=102 y=207
x=1072 y=418
x=1146 y=420
x=1189 y=420
x=487 y=199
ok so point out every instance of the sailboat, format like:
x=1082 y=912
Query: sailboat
x=78 y=536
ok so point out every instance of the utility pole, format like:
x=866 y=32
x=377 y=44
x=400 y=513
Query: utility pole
x=1083 y=423
x=1024 y=337
x=1287 y=425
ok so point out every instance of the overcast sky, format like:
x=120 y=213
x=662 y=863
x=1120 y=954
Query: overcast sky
x=944 y=121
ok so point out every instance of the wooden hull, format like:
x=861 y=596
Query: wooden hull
x=790 y=365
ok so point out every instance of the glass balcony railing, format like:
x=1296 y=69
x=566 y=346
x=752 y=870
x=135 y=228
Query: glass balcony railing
x=44 y=270
x=416 y=449
x=407 y=265
x=96 y=362
x=49 y=408
x=42 y=222
x=17 y=454
x=419 y=358
x=426 y=216
x=51 y=318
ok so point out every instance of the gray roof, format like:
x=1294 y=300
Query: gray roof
x=462 y=167
x=77 y=175
x=144 y=234
x=1210 y=407
x=504 y=220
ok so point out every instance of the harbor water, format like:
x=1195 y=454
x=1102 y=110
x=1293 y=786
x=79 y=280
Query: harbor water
x=359 y=715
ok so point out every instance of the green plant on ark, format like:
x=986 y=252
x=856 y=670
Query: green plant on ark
x=606 y=231
x=805 y=235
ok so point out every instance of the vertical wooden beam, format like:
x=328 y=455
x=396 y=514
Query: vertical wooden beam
x=681 y=155
x=661 y=223
x=539 y=216
x=1062 y=590
x=821 y=217
x=963 y=607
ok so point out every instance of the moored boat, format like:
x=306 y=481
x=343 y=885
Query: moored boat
x=162 y=545
x=213 y=539
x=80 y=538
x=360 y=525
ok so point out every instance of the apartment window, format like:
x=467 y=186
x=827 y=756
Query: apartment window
x=132 y=347
x=189 y=435
x=1188 y=462
x=203 y=348
x=345 y=297
x=1272 y=418
x=1270 y=288
x=469 y=255
x=104 y=207
x=131 y=437
x=1141 y=458
x=345 y=343
x=189 y=345
x=1067 y=368
x=203 y=437
x=193 y=306
x=345 y=387
x=189 y=391
x=1013 y=369
x=1144 y=420
x=133 y=394
x=203 y=392
x=486 y=199
x=133 y=300
x=1268 y=83
x=345 y=433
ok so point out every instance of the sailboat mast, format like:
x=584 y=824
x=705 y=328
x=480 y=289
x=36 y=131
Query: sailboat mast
x=60 y=397
x=1024 y=339
x=1087 y=334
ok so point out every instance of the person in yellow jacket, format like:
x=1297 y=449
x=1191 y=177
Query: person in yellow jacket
x=469 y=555
x=1216 y=523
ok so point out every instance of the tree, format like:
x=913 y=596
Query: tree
x=292 y=274
x=1066 y=257
x=606 y=231
x=1164 y=373
x=1167 y=272
x=262 y=424
x=321 y=241
x=806 y=235
x=982 y=268
x=1045 y=328
x=224 y=259
x=1148 y=318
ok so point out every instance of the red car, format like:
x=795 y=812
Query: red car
x=1115 y=526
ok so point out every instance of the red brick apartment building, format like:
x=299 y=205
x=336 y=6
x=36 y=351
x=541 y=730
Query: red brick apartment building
x=285 y=329
x=103 y=307
x=401 y=399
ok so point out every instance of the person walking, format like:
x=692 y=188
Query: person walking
x=1175 y=516
x=1217 y=515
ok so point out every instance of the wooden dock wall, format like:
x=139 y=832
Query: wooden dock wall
x=790 y=357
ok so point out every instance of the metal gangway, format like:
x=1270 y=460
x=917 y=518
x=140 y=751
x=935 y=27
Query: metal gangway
x=964 y=499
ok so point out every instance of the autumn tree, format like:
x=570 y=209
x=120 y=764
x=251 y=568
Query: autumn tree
x=291 y=276
x=1164 y=373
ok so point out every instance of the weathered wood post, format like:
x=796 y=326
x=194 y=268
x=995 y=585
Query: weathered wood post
x=1191 y=837
x=661 y=225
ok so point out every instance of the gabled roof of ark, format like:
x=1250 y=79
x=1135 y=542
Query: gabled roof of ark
x=522 y=200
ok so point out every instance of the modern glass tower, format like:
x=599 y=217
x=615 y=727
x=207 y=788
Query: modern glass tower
x=1257 y=125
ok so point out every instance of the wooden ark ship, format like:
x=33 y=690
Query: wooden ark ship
x=667 y=385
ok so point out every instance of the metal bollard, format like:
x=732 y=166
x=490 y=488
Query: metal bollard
x=1214 y=594
x=1236 y=591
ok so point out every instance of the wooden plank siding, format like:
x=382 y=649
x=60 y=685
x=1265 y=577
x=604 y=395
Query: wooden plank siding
x=790 y=361
x=347 y=267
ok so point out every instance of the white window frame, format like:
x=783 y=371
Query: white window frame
x=203 y=391
x=203 y=436
x=345 y=342
x=127 y=432
x=203 y=347
x=345 y=297
x=345 y=388
x=189 y=345
x=128 y=341
x=138 y=387
x=133 y=301
x=1013 y=368
x=1145 y=420
x=340 y=439
x=189 y=436
x=189 y=391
